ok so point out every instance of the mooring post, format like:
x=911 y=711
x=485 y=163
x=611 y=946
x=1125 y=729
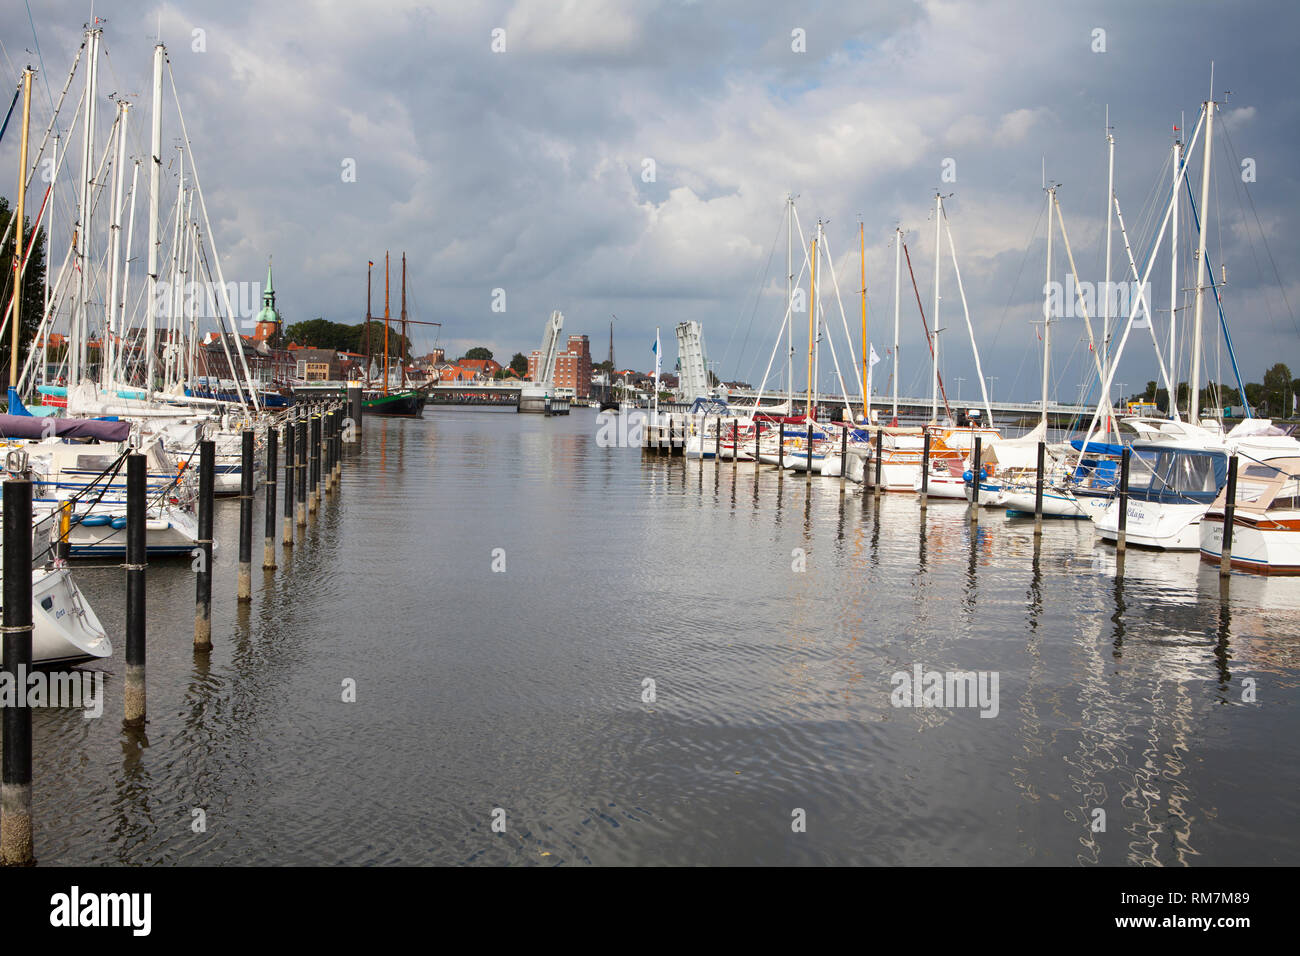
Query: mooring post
x=136 y=561
x=272 y=468
x=1121 y=534
x=844 y=456
x=880 y=459
x=717 y=440
x=1229 y=515
x=313 y=462
x=16 y=738
x=355 y=410
x=1038 y=489
x=336 y=452
x=287 y=535
x=327 y=450
x=925 y=471
x=780 y=449
x=976 y=478
x=808 y=449
x=735 y=441
x=300 y=475
x=203 y=588
x=245 y=586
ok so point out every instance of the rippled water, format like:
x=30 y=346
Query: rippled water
x=522 y=690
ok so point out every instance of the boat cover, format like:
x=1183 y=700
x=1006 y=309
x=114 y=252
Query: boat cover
x=25 y=426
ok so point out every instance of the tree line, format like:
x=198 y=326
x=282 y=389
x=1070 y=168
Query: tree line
x=1272 y=398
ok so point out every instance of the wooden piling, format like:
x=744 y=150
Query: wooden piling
x=880 y=461
x=355 y=410
x=844 y=456
x=780 y=449
x=272 y=467
x=313 y=462
x=16 y=736
x=245 y=586
x=1121 y=534
x=735 y=442
x=976 y=479
x=925 y=470
x=808 y=450
x=1038 y=489
x=203 y=587
x=287 y=536
x=300 y=476
x=136 y=562
x=1229 y=515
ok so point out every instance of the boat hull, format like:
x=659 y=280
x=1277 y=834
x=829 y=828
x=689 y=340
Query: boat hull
x=1273 y=550
x=64 y=628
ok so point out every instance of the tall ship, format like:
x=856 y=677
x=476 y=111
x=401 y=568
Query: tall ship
x=394 y=402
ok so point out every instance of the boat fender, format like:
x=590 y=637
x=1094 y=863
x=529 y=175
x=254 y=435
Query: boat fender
x=967 y=476
x=119 y=523
x=94 y=521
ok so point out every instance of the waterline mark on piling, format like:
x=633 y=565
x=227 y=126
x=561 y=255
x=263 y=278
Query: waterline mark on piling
x=83 y=690
x=950 y=689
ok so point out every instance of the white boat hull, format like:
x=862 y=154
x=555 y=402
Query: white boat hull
x=64 y=628
x=1261 y=550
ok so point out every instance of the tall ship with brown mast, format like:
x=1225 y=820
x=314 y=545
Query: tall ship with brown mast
x=389 y=397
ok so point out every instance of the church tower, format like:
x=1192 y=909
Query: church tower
x=268 y=320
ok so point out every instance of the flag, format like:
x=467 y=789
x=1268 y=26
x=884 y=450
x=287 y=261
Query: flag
x=655 y=348
x=874 y=357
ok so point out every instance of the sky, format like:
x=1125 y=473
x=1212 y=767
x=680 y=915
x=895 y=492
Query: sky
x=621 y=159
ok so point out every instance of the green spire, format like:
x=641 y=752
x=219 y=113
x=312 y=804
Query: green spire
x=268 y=313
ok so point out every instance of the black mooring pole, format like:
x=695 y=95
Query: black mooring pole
x=136 y=561
x=16 y=785
x=203 y=589
x=245 y=587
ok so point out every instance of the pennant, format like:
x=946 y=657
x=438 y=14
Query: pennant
x=875 y=359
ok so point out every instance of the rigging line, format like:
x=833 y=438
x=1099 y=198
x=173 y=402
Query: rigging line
x=757 y=297
x=39 y=59
x=1263 y=238
x=1011 y=295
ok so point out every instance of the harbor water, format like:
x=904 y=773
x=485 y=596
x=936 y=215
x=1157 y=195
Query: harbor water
x=563 y=653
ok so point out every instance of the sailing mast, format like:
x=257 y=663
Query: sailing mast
x=369 y=265
x=1173 y=287
x=898 y=265
x=812 y=310
x=866 y=369
x=934 y=315
x=402 y=357
x=20 y=232
x=155 y=167
x=1047 y=303
x=1110 y=212
x=385 y=321
x=789 y=299
x=1194 y=399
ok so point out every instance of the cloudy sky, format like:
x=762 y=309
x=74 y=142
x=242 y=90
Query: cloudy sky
x=525 y=169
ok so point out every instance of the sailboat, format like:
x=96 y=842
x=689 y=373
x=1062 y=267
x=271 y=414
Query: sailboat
x=401 y=402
